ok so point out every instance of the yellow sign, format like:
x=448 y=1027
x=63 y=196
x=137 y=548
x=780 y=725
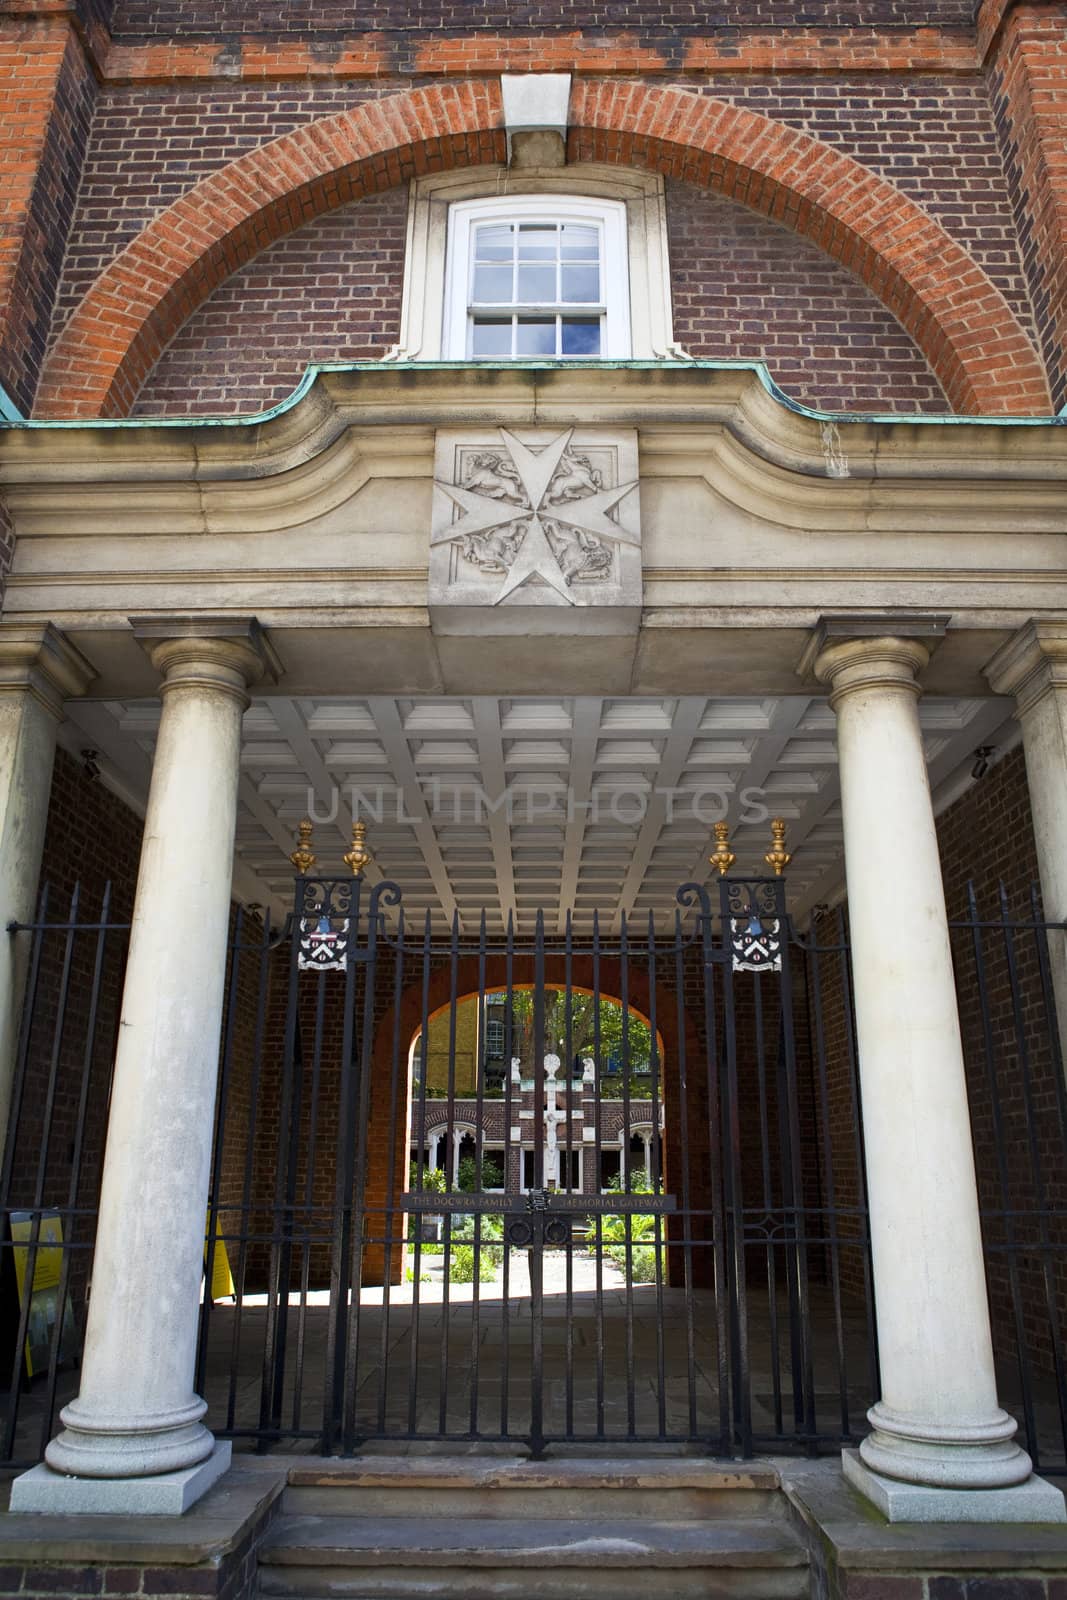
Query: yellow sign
x=221 y=1276
x=44 y=1295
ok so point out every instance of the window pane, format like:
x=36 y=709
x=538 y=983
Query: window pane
x=536 y=338
x=579 y=244
x=492 y=285
x=491 y=338
x=537 y=285
x=581 y=284
x=493 y=244
x=581 y=336
x=537 y=243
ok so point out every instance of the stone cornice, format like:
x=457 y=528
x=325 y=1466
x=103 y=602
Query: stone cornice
x=886 y=650
x=1032 y=664
x=304 y=458
x=226 y=653
x=42 y=660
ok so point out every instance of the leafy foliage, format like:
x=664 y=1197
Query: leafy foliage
x=433 y=1179
x=492 y=1174
x=622 y=1042
x=462 y=1256
x=461 y=1267
x=630 y=1240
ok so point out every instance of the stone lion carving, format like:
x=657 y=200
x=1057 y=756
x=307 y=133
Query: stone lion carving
x=581 y=555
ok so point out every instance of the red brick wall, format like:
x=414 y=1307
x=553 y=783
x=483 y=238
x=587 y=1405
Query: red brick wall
x=664 y=19
x=91 y=838
x=933 y=138
x=987 y=837
x=150 y=145
x=330 y=292
x=1028 y=81
x=46 y=89
x=961 y=114
x=744 y=287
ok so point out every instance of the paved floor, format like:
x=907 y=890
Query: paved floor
x=428 y=1363
x=462 y=1365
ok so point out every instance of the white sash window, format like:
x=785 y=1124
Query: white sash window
x=537 y=277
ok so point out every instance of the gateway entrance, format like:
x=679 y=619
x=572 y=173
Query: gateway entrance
x=564 y=1190
x=592 y=1188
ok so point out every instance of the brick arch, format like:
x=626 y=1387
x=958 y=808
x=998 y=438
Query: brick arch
x=953 y=311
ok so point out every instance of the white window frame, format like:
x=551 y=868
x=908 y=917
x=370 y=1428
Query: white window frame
x=608 y=217
x=491 y=1152
x=432 y=197
x=531 y=1150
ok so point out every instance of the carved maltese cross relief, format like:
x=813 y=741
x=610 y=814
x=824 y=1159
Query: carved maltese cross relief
x=565 y=533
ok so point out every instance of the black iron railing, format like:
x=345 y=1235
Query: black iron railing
x=660 y=1238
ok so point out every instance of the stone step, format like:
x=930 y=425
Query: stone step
x=589 y=1489
x=494 y=1558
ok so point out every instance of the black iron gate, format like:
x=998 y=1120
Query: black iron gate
x=507 y=1185
x=606 y=1185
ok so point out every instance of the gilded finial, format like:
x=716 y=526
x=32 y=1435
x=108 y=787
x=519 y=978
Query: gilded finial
x=722 y=858
x=778 y=856
x=303 y=857
x=359 y=856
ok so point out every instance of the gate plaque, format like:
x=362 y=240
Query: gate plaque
x=578 y=1205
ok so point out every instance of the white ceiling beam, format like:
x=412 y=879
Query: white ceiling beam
x=386 y=714
x=769 y=746
x=585 y=731
x=494 y=783
x=294 y=730
x=688 y=715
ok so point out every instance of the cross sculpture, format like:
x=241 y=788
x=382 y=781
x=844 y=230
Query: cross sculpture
x=553 y=1118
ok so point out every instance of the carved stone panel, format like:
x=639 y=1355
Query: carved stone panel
x=543 y=520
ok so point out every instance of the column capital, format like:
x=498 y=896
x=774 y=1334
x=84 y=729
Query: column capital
x=228 y=654
x=37 y=657
x=863 y=652
x=1032 y=664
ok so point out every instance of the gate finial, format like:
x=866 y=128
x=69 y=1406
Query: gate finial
x=359 y=856
x=778 y=856
x=722 y=858
x=303 y=857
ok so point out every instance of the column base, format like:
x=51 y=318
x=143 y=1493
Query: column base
x=976 y=1455
x=1032 y=1501
x=168 y=1494
x=131 y=1447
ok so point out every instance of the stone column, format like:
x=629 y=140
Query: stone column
x=937 y=1423
x=1032 y=667
x=136 y=1414
x=39 y=670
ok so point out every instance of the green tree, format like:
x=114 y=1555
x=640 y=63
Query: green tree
x=571 y=1031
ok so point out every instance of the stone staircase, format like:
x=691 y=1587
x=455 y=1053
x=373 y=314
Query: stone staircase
x=478 y=1528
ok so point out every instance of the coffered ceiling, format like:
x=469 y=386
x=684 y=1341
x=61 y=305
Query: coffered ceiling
x=515 y=804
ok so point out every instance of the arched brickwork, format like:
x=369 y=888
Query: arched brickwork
x=955 y=314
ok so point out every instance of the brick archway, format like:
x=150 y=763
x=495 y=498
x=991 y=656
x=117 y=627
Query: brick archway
x=956 y=315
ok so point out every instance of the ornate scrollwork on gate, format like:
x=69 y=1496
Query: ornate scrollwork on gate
x=755 y=926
